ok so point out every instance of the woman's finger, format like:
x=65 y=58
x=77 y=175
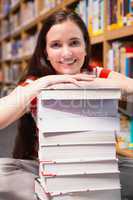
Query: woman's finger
x=84 y=77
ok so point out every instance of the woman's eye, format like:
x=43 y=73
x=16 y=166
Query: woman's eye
x=75 y=43
x=55 y=45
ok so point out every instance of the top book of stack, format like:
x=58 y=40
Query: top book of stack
x=81 y=93
x=89 y=108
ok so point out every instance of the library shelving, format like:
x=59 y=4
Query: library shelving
x=110 y=24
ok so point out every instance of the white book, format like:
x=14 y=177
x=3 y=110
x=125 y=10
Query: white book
x=52 y=122
x=69 y=91
x=113 y=194
x=62 y=109
x=69 y=167
x=71 y=183
x=58 y=152
x=82 y=137
x=106 y=193
x=84 y=107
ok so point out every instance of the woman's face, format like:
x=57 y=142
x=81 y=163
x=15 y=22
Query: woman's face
x=65 y=48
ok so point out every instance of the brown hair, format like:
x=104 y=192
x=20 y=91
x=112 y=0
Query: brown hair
x=39 y=66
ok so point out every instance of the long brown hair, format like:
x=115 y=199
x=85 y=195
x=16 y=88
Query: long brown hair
x=39 y=66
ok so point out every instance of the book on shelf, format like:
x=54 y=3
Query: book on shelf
x=79 y=151
x=120 y=57
x=92 y=194
x=28 y=12
x=112 y=14
x=120 y=13
x=97 y=17
x=79 y=182
x=74 y=137
x=82 y=10
x=87 y=166
x=126 y=60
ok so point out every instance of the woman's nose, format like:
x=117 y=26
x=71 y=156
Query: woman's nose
x=66 y=52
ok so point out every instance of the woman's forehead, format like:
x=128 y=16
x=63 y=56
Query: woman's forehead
x=67 y=29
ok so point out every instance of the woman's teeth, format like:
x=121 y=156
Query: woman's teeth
x=68 y=62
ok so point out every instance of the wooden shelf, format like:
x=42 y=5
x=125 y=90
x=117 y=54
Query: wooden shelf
x=122 y=32
x=119 y=33
x=97 y=39
x=16 y=32
x=17 y=59
x=8 y=83
x=12 y=9
x=30 y=24
x=104 y=38
x=8 y=35
x=15 y=7
x=2 y=16
x=46 y=13
x=36 y=20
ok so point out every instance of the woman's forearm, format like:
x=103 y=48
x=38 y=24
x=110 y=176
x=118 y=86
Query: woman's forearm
x=15 y=104
x=125 y=83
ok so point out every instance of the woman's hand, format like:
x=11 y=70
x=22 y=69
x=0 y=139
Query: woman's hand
x=74 y=81
x=100 y=83
x=49 y=81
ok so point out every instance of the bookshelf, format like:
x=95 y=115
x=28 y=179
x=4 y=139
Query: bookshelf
x=21 y=20
x=16 y=29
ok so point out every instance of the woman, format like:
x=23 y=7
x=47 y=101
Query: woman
x=61 y=55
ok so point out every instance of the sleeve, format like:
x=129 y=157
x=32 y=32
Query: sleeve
x=102 y=72
x=32 y=107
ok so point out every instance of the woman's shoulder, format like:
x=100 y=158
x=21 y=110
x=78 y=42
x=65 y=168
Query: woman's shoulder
x=28 y=80
x=102 y=72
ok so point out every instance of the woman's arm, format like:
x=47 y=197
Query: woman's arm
x=125 y=83
x=113 y=79
x=14 y=105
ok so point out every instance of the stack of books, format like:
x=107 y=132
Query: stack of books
x=77 y=152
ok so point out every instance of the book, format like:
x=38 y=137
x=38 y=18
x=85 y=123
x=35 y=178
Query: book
x=73 y=92
x=80 y=166
x=79 y=151
x=54 y=122
x=74 y=137
x=85 y=107
x=69 y=183
x=104 y=194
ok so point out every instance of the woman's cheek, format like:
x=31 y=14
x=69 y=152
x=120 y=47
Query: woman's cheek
x=80 y=53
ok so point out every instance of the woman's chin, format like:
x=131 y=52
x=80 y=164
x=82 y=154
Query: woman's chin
x=68 y=71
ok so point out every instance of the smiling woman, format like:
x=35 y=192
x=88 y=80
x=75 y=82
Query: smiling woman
x=61 y=56
x=66 y=54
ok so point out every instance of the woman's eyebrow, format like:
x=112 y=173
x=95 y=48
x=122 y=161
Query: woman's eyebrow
x=75 y=38
x=54 y=41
